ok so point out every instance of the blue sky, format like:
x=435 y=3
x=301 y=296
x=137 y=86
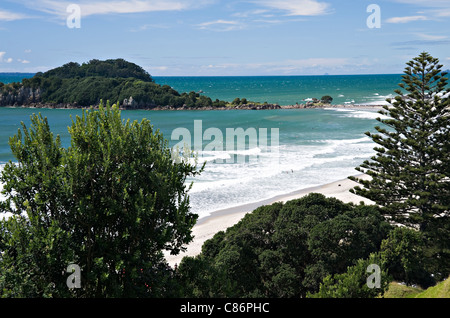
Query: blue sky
x=225 y=37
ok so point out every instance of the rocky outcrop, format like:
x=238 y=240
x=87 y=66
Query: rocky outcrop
x=129 y=103
x=23 y=96
x=258 y=106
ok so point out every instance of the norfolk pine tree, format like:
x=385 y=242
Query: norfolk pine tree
x=410 y=171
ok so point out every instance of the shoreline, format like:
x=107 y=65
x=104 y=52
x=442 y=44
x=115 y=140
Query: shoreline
x=170 y=108
x=206 y=227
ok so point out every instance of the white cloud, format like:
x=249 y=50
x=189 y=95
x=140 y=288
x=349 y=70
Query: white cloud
x=221 y=25
x=407 y=19
x=247 y=14
x=150 y=26
x=436 y=8
x=11 y=16
x=431 y=37
x=2 y=59
x=10 y=59
x=286 y=67
x=443 y=13
x=114 y=7
x=159 y=68
x=297 y=7
x=427 y=3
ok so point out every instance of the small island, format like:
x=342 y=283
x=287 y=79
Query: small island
x=124 y=83
x=127 y=84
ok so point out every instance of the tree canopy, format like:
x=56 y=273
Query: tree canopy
x=285 y=250
x=110 y=203
x=87 y=84
x=108 y=68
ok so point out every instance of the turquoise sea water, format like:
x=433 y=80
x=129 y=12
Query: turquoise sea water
x=7 y=78
x=314 y=146
x=288 y=90
x=284 y=90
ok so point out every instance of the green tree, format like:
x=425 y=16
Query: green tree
x=285 y=250
x=111 y=203
x=410 y=172
x=356 y=282
x=404 y=255
x=326 y=99
x=236 y=101
x=199 y=278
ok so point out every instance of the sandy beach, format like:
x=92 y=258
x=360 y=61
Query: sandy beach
x=218 y=221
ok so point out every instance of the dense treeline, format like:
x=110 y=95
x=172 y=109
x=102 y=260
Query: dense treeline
x=107 y=68
x=85 y=85
x=310 y=247
x=90 y=90
x=284 y=250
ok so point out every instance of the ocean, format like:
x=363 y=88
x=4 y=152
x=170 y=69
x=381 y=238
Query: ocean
x=294 y=149
x=289 y=90
x=282 y=90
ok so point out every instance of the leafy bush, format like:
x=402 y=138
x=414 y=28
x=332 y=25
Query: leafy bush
x=111 y=203
x=404 y=254
x=354 y=283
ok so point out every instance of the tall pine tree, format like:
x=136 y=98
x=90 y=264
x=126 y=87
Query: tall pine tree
x=409 y=174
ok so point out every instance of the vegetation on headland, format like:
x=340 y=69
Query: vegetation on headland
x=115 y=199
x=127 y=84
x=130 y=86
x=75 y=85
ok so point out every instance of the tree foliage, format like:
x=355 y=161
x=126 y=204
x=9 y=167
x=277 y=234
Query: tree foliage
x=115 y=80
x=327 y=99
x=285 y=250
x=108 y=68
x=410 y=172
x=406 y=257
x=110 y=203
x=410 y=176
x=354 y=283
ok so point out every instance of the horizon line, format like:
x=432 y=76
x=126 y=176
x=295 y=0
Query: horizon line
x=275 y=75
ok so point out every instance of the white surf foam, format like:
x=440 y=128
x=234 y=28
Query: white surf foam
x=292 y=168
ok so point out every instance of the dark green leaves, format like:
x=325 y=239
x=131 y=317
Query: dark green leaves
x=410 y=177
x=285 y=250
x=111 y=203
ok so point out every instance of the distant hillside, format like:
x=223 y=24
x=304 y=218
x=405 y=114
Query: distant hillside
x=75 y=85
x=108 y=68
